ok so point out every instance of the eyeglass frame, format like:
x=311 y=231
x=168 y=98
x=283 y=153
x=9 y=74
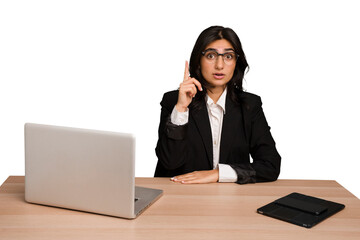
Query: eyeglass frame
x=220 y=54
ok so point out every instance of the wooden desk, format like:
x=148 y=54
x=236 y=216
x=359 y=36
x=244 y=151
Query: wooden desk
x=220 y=211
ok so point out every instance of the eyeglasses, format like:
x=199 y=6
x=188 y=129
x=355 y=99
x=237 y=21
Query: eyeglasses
x=211 y=56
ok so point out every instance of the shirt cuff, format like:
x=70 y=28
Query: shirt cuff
x=227 y=173
x=179 y=118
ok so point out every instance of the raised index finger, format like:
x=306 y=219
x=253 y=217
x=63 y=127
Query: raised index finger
x=186 y=73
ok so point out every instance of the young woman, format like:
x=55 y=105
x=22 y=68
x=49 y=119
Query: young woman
x=210 y=126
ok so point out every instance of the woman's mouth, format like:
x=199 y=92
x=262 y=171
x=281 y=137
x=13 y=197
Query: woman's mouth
x=219 y=75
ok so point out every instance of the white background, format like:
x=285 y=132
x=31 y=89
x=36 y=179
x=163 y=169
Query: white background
x=105 y=65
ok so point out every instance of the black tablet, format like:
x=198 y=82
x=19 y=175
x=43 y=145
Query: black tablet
x=300 y=209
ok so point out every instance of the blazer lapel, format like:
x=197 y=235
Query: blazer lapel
x=228 y=129
x=246 y=116
x=202 y=122
x=233 y=120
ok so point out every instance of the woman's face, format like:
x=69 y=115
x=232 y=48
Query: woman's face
x=218 y=69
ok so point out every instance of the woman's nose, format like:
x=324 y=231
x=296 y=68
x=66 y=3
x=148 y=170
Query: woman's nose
x=219 y=63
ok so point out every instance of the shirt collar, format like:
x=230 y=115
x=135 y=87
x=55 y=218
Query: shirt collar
x=220 y=102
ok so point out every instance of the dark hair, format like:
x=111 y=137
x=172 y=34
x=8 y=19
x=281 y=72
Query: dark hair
x=208 y=36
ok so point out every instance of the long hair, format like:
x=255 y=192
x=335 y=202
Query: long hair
x=209 y=35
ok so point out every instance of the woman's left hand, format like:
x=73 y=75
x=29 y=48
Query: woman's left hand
x=209 y=176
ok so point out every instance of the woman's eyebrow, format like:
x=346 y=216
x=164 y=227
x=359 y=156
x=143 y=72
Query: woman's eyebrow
x=226 y=49
x=210 y=49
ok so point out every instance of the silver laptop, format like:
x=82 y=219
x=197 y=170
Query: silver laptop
x=86 y=170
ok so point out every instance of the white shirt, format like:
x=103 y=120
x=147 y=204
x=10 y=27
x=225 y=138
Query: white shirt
x=216 y=113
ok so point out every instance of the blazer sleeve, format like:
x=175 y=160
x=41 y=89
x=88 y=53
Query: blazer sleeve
x=266 y=159
x=171 y=145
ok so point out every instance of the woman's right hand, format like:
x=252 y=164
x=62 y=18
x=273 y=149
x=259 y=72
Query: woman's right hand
x=187 y=90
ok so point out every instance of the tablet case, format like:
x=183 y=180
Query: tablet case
x=300 y=209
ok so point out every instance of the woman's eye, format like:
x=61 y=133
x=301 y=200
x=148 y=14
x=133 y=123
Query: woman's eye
x=229 y=56
x=211 y=55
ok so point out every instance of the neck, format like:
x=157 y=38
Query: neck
x=215 y=93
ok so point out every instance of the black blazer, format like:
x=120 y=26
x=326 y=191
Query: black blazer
x=187 y=148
